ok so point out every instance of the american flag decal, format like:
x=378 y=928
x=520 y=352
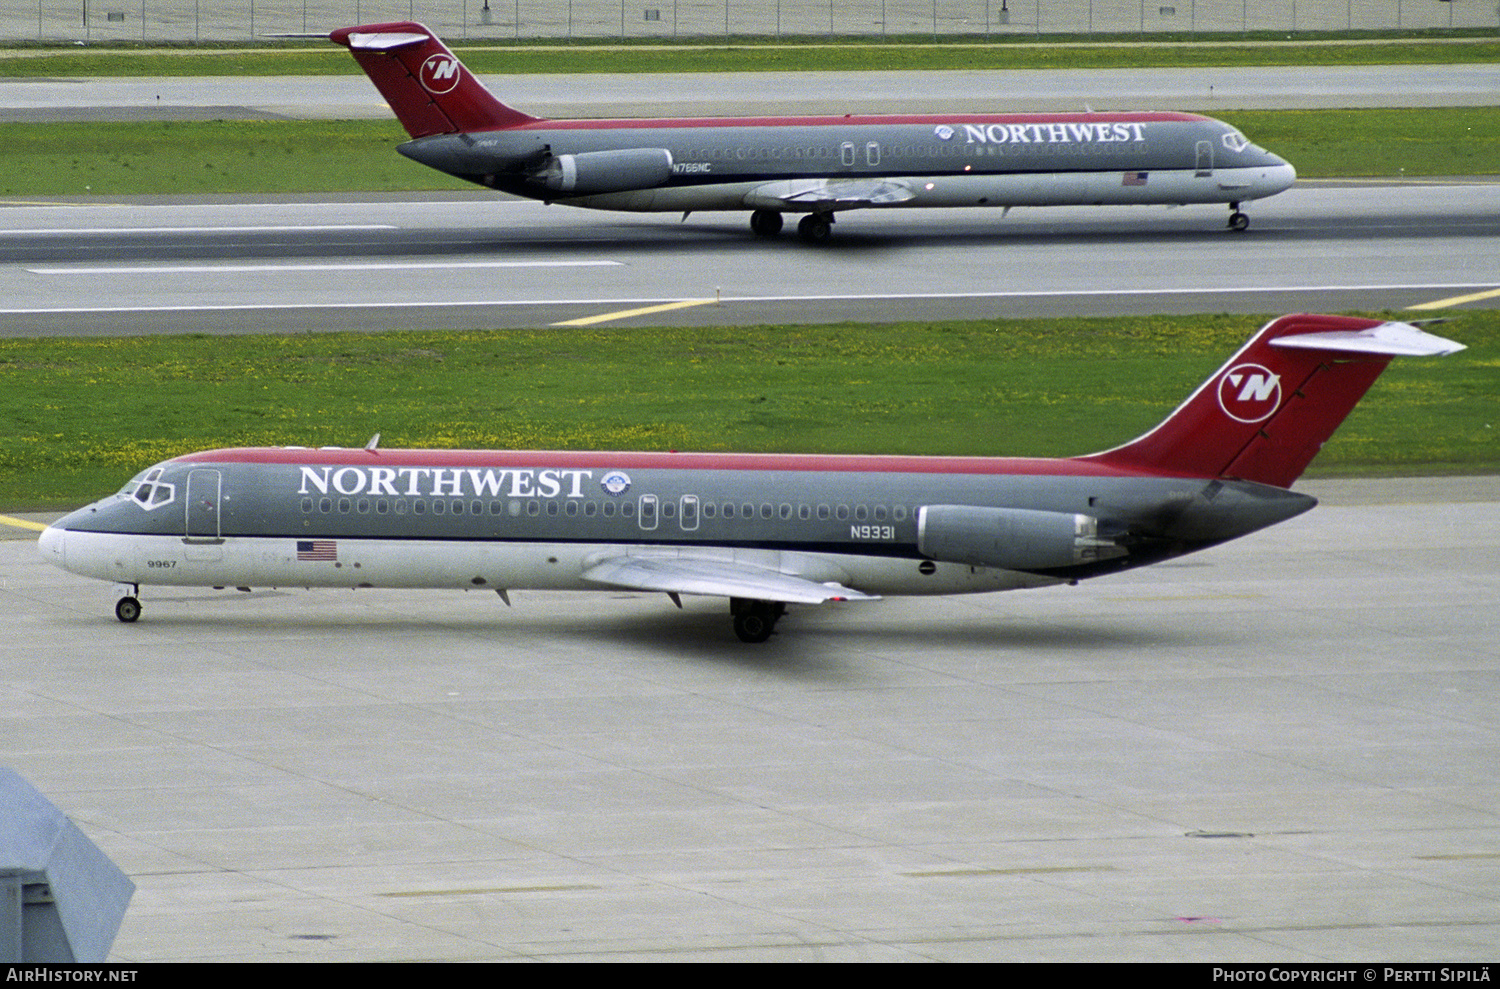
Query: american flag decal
x=1135 y=178
x=317 y=549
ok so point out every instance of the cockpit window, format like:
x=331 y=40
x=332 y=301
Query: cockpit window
x=1235 y=141
x=149 y=491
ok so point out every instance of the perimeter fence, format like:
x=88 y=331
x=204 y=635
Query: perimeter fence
x=259 y=20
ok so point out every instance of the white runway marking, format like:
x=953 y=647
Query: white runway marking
x=198 y=269
x=302 y=228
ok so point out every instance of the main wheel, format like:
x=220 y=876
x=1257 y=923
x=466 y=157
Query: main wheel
x=766 y=222
x=754 y=626
x=127 y=609
x=815 y=228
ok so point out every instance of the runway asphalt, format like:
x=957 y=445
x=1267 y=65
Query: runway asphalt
x=474 y=261
x=1285 y=749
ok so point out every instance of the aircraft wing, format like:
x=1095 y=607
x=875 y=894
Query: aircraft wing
x=722 y=578
x=811 y=195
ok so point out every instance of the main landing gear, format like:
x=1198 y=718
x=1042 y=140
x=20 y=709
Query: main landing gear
x=754 y=621
x=1237 y=221
x=814 y=228
x=765 y=222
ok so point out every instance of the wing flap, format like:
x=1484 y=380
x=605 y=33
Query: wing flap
x=810 y=195
x=719 y=578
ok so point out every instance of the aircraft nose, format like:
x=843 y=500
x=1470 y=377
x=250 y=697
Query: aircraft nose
x=1280 y=177
x=1268 y=180
x=51 y=544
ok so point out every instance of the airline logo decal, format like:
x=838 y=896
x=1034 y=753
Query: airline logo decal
x=1249 y=393
x=439 y=74
x=1054 y=133
x=452 y=482
x=616 y=482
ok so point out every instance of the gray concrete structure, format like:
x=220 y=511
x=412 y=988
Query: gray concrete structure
x=61 y=900
x=176 y=20
x=1284 y=749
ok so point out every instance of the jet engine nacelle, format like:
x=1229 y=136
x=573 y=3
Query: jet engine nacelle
x=1011 y=538
x=607 y=171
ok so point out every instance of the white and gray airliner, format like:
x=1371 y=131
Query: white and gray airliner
x=815 y=167
x=763 y=530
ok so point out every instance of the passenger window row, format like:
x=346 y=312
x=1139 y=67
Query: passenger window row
x=590 y=508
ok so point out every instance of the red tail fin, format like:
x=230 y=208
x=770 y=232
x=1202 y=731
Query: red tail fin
x=1265 y=414
x=425 y=84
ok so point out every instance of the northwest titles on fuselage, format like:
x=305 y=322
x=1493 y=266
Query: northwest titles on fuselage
x=456 y=482
x=1052 y=133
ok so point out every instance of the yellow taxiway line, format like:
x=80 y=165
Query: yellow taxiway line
x=645 y=311
x=21 y=523
x=1457 y=300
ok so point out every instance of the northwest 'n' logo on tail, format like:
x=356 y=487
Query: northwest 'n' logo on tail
x=440 y=73
x=1265 y=414
x=1249 y=393
x=425 y=84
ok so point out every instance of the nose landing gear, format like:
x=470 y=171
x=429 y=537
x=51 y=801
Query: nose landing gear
x=1237 y=221
x=127 y=606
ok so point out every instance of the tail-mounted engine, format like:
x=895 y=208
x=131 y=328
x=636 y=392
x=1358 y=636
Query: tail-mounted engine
x=606 y=171
x=1012 y=538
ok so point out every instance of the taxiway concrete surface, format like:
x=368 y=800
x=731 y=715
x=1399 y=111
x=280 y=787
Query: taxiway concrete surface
x=1286 y=749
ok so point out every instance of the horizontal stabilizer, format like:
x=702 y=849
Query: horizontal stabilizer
x=1394 y=339
x=384 y=41
x=716 y=577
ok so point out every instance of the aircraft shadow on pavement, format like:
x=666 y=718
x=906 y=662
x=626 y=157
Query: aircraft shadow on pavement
x=823 y=645
x=524 y=243
x=710 y=234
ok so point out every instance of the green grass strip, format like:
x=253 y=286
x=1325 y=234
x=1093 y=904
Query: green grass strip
x=752 y=55
x=226 y=157
x=83 y=415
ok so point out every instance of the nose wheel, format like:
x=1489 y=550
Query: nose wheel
x=1237 y=221
x=128 y=608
